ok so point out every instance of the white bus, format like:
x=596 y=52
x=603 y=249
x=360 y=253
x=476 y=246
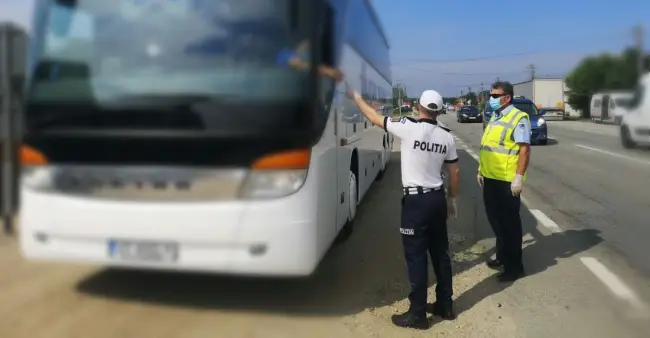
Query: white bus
x=165 y=134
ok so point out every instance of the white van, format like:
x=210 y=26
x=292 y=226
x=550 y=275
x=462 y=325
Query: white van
x=610 y=105
x=635 y=124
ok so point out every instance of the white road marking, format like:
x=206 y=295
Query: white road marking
x=545 y=220
x=613 y=154
x=615 y=284
x=471 y=153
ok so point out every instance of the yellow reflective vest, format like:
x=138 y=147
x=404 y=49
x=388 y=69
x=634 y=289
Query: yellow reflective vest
x=499 y=153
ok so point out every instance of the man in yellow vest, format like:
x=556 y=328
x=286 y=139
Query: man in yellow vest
x=503 y=160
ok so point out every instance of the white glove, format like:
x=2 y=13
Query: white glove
x=479 y=179
x=452 y=209
x=517 y=185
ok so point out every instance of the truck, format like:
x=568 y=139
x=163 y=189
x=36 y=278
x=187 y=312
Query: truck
x=546 y=93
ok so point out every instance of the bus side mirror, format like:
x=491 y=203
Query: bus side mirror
x=61 y=16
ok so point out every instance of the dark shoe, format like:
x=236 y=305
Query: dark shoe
x=509 y=276
x=442 y=310
x=494 y=263
x=409 y=320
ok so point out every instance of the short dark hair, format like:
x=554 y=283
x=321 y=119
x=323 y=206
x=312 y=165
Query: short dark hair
x=430 y=110
x=506 y=86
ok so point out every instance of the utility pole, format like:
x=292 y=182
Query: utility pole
x=532 y=68
x=399 y=99
x=6 y=114
x=638 y=35
x=482 y=93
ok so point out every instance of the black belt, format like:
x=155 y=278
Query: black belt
x=420 y=190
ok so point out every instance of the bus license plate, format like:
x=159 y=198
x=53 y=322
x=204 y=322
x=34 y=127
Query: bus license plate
x=143 y=251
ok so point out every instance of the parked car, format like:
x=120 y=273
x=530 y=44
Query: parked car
x=469 y=114
x=539 y=127
x=552 y=114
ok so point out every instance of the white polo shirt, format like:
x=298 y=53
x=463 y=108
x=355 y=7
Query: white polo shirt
x=426 y=146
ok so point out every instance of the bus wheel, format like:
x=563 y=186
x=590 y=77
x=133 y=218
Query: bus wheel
x=346 y=232
x=382 y=164
x=353 y=199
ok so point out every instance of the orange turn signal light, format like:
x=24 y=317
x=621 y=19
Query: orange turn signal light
x=32 y=157
x=293 y=159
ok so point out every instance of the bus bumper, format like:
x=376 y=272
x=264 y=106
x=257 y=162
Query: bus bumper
x=242 y=238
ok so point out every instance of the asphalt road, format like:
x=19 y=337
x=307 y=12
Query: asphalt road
x=589 y=181
x=577 y=285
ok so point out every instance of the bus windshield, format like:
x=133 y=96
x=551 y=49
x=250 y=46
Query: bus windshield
x=142 y=53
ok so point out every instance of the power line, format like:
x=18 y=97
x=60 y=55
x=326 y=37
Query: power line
x=462 y=74
x=612 y=35
x=475 y=58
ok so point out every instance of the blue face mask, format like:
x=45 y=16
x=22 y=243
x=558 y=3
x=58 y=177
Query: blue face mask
x=495 y=103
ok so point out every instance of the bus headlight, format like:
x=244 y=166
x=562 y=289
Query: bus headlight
x=272 y=183
x=37 y=177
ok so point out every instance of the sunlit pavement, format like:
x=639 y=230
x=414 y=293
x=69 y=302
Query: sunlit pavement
x=579 y=283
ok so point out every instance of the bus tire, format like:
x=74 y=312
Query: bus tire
x=382 y=165
x=352 y=200
x=626 y=138
x=353 y=196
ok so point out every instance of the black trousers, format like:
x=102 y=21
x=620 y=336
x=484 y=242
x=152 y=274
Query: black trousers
x=424 y=230
x=502 y=211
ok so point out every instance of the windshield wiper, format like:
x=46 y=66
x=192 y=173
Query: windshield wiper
x=138 y=111
x=158 y=101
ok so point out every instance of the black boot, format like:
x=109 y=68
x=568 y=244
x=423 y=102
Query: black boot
x=443 y=310
x=494 y=264
x=410 y=320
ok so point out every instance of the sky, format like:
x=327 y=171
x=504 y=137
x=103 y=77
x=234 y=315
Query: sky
x=455 y=44
x=555 y=34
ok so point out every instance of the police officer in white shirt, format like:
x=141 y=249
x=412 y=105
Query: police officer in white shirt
x=426 y=148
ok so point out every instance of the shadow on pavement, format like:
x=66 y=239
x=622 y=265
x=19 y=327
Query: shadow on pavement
x=540 y=254
x=550 y=142
x=365 y=272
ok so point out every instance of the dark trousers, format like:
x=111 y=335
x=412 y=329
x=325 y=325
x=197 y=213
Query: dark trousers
x=424 y=230
x=502 y=211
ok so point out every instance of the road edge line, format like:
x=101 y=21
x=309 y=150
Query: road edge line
x=546 y=221
x=614 y=283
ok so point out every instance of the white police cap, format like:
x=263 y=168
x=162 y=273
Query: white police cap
x=431 y=100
